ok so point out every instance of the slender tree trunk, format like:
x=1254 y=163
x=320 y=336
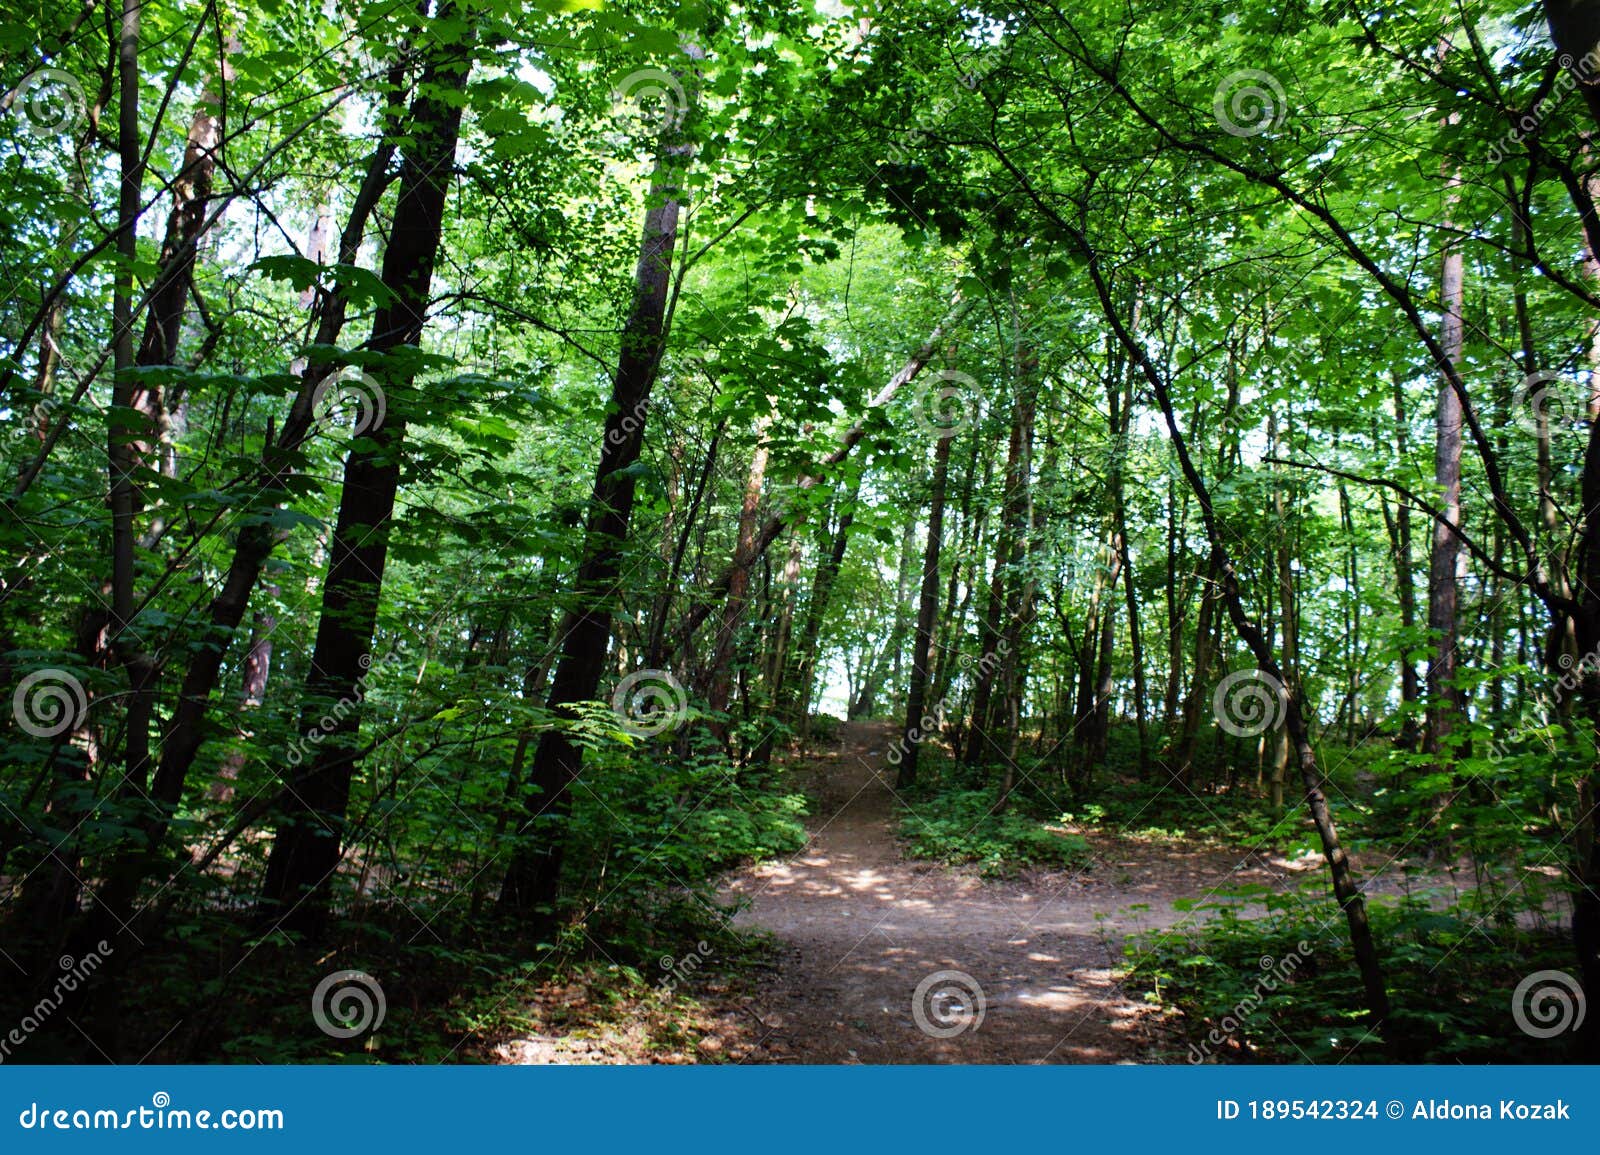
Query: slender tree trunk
x=310 y=837
x=1290 y=647
x=963 y=576
x=917 y=727
x=982 y=744
x=1175 y=610
x=1445 y=558
x=738 y=582
x=532 y=882
x=1405 y=585
x=1199 y=688
x=1346 y=890
x=1104 y=684
x=656 y=648
x=1352 y=578
x=798 y=710
x=1135 y=638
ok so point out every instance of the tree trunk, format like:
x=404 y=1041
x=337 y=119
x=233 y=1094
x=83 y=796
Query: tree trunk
x=1182 y=767
x=1288 y=616
x=1445 y=557
x=532 y=881
x=803 y=680
x=310 y=836
x=1175 y=609
x=738 y=583
x=917 y=727
x=656 y=649
x=1135 y=638
x=1405 y=585
x=1009 y=546
x=257 y=669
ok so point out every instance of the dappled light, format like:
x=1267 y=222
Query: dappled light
x=619 y=532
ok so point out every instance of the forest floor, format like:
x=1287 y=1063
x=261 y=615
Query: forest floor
x=857 y=927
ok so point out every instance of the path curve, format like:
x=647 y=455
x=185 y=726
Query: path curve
x=860 y=927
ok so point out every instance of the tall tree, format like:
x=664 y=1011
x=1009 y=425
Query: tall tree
x=916 y=728
x=310 y=834
x=533 y=877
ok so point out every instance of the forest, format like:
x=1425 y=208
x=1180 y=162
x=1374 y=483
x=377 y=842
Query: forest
x=614 y=532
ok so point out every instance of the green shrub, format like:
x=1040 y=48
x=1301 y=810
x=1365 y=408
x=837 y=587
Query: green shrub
x=959 y=826
x=1283 y=986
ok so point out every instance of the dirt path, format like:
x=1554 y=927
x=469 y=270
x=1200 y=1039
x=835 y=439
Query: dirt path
x=861 y=928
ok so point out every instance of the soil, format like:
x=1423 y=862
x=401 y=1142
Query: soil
x=1011 y=971
x=860 y=927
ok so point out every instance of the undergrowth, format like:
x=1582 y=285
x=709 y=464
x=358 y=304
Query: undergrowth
x=952 y=817
x=1278 y=984
x=650 y=833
